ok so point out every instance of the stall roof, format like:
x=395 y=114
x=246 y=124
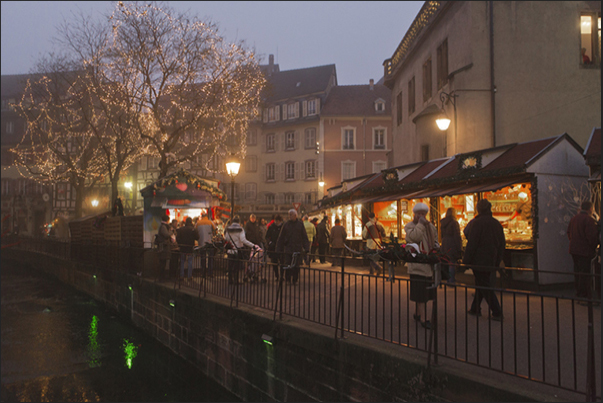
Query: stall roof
x=424 y=170
x=592 y=153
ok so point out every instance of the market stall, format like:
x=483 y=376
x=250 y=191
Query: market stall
x=179 y=195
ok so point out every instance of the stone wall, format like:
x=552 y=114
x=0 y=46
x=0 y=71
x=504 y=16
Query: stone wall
x=305 y=362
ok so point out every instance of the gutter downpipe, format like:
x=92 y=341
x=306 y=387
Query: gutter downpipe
x=492 y=86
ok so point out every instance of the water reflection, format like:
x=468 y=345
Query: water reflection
x=60 y=345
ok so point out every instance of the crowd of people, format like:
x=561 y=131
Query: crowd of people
x=311 y=240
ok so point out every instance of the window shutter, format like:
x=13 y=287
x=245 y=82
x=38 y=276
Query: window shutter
x=296 y=108
x=264 y=176
x=284 y=112
x=305 y=108
x=282 y=172
x=277 y=140
x=296 y=137
x=263 y=141
x=277 y=114
x=265 y=118
x=297 y=173
x=317 y=106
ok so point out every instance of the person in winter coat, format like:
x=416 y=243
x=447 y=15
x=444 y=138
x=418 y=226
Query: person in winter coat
x=452 y=244
x=235 y=234
x=206 y=229
x=163 y=240
x=374 y=233
x=186 y=237
x=311 y=232
x=271 y=238
x=314 y=242
x=322 y=237
x=338 y=237
x=583 y=234
x=293 y=238
x=485 y=247
x=252 y=230
x=424 y=234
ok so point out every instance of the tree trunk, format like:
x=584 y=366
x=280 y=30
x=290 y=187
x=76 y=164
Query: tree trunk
x=80 y=194
x=114 y=192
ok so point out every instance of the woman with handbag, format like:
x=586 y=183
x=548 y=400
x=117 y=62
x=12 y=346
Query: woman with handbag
x=235 y=234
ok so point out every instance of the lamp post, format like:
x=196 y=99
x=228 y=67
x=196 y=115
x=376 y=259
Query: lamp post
x=443 y=121
x=232 y=168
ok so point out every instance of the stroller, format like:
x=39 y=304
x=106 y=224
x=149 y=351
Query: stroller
x=254 y=267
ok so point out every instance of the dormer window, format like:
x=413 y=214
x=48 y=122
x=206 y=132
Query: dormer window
x=380 y=105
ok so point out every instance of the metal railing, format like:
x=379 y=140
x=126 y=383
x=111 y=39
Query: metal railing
x=545 y=337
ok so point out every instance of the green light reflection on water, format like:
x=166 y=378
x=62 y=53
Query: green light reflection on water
x=131 y=351
x=94 y=352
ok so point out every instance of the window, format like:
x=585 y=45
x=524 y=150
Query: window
x=251 y=191
x=312 y=107
x=289 y=171
x=348 y=170
x=289 y=198
x=252 y=137
x=310 y=169
x=270 y=172
x=427 y=80
x=442 y=58
x=308 y=198
x=152 y=162
x=411 y=96
x=270 y=142
x=274 y=113
x=310 y=140
x=399 y=108
x=62 y=193
x=290 y=138
x=347 y=142
x=379 y=139
x=251 y=163
x=590 y=39
x=269 y=198
x=379 y=166
x=425 y=152
x=292 y=110
x=379 y=106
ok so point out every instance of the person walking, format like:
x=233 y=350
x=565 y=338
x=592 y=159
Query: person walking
x=186 y=237
x=373 y=232
x=583 y=234
x=164 y=249
x=338 y=238
x=322 y=237
x=252 y=230
x=235 y=234
x=314 y=244
x=311 y=233
x=272 y=235
x=424 y=234
x=206 y=229
x=485 y=247
x=293 y=238
x=452 y=243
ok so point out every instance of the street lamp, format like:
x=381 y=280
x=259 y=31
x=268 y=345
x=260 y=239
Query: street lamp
x=443 y=121
x=94 y=203
x=232 y=168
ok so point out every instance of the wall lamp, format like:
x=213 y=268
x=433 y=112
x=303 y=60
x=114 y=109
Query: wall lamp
x=267 y=339
x=443 y=121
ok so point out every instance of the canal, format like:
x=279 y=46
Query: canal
x=59 y=344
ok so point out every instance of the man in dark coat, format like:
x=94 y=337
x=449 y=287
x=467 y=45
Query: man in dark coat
x=452 y=243
x=583 y=234
x=293 y=238
x=485 y=247
x=252 y=231
x=186 y=237
x=271 y=238
x=322 y=237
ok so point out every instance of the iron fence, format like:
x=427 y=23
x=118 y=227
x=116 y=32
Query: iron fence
x=544 y=337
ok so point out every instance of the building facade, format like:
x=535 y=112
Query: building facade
x=503 y=72
x=356 y=124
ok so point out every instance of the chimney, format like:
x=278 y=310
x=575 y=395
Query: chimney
x=270 y=64
x=371 y=83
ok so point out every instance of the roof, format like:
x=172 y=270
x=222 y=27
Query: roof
x=592 y=153
x=296 y=83
x=14 y=85
x=423 y=171
x=357 y=100
x=521 y=154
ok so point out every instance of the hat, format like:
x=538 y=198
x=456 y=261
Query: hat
x=420 y=207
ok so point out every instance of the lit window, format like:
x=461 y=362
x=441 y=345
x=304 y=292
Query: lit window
x=590 y=39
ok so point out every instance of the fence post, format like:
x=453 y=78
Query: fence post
x=591 y=380
x=433 y=335
x=340 y=305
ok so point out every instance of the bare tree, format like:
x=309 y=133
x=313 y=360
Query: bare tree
x=179 y=85
x=58 y=145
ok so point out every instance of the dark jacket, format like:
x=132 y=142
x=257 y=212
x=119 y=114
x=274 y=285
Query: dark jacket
x=271 y=238
x=186 y=237
x=253 y=233
x=164 y=241
x=485 y=241
x=583 y=234
x=322 y=233
x=338 y=236
x=452 y=243
x=293 y=238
